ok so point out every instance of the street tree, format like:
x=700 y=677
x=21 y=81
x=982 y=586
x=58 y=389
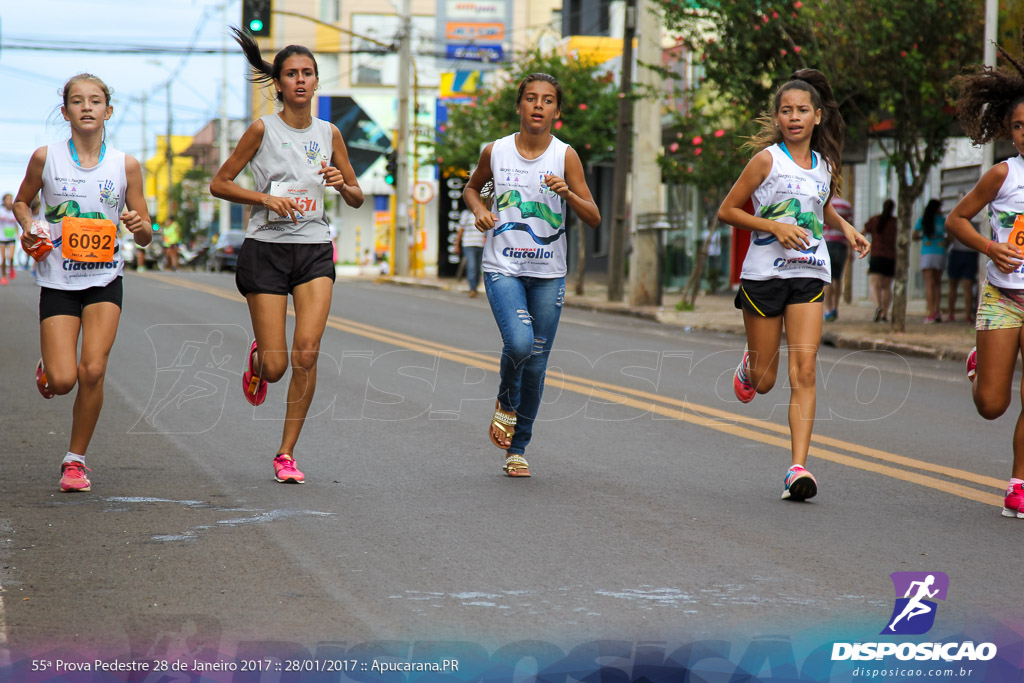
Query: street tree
x=888 y=60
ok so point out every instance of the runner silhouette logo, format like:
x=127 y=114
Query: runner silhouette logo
x=916 y=592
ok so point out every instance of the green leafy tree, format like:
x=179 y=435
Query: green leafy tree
x=888 y=62
x=588 y=112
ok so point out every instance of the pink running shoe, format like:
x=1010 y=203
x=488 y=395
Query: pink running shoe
x=41 y=383
x=255 y=389
x=73 y=477
x=741 y=385
x=3 y=280
x=285 y=470
x=1013 y=504
x=799 y=484
x=10 y=273
x=972 y=363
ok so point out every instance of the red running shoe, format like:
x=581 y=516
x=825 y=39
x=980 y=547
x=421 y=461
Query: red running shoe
x=254 y=388
x=73 y=477
x=741 y=385
x=41 y=383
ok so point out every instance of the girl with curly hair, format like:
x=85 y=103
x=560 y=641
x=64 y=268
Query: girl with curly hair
x=990 y=105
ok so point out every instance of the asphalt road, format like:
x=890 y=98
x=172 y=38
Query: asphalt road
x=653 y=513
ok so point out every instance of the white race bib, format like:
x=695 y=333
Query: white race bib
x=310 y=199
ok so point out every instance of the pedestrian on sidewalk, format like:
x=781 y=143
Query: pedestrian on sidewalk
x=838 y=254
x=469 y=244
x=287 y=248
x=535 y=177
x=962 y=273
x=8 y=236
x=80 y=291
x=931 y=231
x=882 y=264
x=791 y=178
x=990 y=105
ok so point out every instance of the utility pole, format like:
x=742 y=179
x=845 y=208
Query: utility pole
x=644 y=274
x=988 y=152
x=143 y=160
x=400 y=257
x=617 y=248
x=225 y=208
x=170 y=155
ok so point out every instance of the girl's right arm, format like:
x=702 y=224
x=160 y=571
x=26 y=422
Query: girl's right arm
x=484 y=218
x=732 y=213
x=30 y=187
x=1007 y=257
x=223 y=185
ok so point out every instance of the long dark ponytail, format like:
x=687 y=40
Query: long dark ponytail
x=931 y=210
x=264 y=72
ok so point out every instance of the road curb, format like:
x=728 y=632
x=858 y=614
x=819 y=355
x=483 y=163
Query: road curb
x=833 y=339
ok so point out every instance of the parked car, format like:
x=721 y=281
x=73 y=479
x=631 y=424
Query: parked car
x=224 y=254
x=154 y=252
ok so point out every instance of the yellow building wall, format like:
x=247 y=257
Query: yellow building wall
x=156 y=171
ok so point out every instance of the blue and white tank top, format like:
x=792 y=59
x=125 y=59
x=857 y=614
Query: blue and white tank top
x=70 y=190
x=528 y=239
x=1002 y=212
x=795 y=195
x=287 y=164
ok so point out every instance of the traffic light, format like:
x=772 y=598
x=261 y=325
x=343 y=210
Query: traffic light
x=392 y=169
x=256 y=17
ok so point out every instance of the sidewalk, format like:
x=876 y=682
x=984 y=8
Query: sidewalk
x=854 y=328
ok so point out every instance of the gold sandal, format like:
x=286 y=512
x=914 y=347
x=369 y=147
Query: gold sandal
x=503 y=421
x=516 y=466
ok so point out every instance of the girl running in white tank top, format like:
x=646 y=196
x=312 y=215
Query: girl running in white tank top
x=791 y=180
x=990 y=105
x=87 y=188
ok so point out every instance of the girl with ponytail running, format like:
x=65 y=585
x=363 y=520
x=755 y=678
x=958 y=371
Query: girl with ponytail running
x=791 y=180
x=79 y=277
x=287 y=249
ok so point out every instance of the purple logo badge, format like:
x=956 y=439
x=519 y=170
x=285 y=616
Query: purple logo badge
x=914 y=611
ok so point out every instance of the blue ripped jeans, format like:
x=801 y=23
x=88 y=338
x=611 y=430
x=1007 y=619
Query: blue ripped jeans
x=527 y=311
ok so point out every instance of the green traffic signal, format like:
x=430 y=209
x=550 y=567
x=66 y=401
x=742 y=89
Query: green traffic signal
x=255 y=26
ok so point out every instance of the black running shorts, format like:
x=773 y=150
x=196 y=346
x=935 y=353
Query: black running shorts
x=280 y=267
x=71 y=301
x=769 y=298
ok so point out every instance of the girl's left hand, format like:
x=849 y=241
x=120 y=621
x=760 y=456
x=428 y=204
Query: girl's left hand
x=557 y=185
x=859 y=242
x=332 y=176
x=132 y=220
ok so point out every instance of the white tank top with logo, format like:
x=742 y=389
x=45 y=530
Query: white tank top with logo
x=1002 y=212
x=287 y=165
x=795 y=195
x=70 y=190
x=528 y=239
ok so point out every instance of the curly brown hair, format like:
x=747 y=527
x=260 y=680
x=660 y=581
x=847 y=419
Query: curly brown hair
x=986 y=96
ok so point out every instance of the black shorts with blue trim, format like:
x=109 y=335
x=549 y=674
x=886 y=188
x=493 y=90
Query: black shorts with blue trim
x=769 y=298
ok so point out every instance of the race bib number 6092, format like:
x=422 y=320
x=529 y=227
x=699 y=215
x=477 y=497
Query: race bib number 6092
x=91 y=240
